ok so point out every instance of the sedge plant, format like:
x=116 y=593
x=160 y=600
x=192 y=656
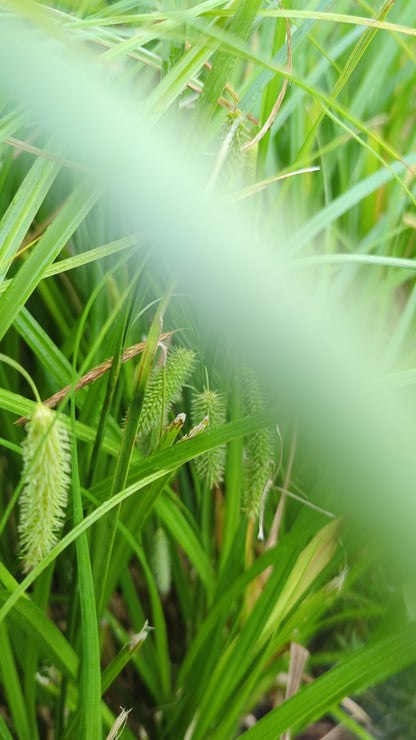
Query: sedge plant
x=153 y=590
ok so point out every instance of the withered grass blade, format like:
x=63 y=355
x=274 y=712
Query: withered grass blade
x=92 y=375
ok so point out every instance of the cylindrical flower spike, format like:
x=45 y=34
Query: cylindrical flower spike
x=258 y=447
x=46 y=468
x=160 y=393
x=210 y=405
x=161 y=561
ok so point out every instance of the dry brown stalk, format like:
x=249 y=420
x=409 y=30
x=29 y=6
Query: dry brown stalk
x=274 y=111
x=92 y=375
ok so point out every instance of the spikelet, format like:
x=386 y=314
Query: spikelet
x=160 y=561
x=179 y=365
x=210 y=466
x=259 y=449
x=46 y=468
x=237 y=164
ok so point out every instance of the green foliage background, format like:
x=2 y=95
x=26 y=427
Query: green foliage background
x=130 y=202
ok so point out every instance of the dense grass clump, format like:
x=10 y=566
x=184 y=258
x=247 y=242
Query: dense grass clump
x=188 y=191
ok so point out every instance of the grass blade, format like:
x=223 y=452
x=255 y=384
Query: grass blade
x=371 y=664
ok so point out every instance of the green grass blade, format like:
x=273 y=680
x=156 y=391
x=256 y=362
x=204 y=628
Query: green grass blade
x=22 y=210
x=39 y=628
x=179 y=527
x=41 y=594
x=85 y=258
x=149 y=470
x=90 y=694
x=343 y=203
x=364 y=668
x=263 y=76
x=9 y=123
x=108 y=525
x=12 y=688
x=43 y=346
x=172 y=458
x=234 y=482
x=4 y=731
x=126 y=653
x=158 y=622
x=355 y=56
x=62 y=228
x=222 y=64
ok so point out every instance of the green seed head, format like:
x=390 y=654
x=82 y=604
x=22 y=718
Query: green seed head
x=258 y=448
x=46 y=468
x=239 y=164
x=161 y=561
x=211 y=405
x=164 y=387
